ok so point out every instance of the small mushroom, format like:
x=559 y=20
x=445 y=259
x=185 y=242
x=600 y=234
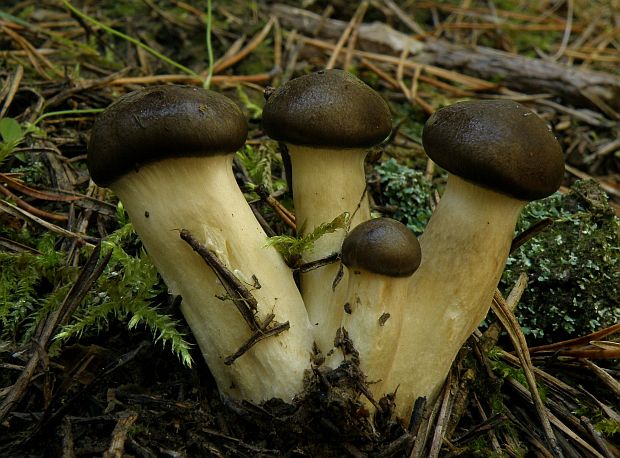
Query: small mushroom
x=167 y=152
x=380 y=255
x=327 y=120
x=499 y=156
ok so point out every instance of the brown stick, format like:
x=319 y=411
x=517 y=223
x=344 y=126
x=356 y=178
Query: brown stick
x=239 y=294
x=241 y=297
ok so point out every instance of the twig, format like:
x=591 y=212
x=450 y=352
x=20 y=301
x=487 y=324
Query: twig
x=241 y=297
x=239 y=294
x=263 y=332
x=530 y=233
x=308 y=266
x=285 y=215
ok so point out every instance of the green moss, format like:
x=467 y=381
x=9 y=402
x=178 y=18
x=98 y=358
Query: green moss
x=573 y=267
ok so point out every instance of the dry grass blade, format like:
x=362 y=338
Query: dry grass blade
x=188 y=79
x=405 y=19
x=10 y=89
x=20 y=213
x=33 y=54
x=605 y=377
x=354 y=22
x=505 y=315
x=36 y=193
x=424 y=428
x=472 y=83
x=527 y=394
x=579 y=341
x=443 y=417
x=251 y=46
x=31 y=208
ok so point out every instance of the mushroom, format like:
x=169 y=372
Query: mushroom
x=499 y=156
x=380 y=255
x=327 y=120
x=167 y=152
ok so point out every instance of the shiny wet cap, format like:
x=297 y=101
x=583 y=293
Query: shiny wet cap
x=498 y=144
x=329 y=108
x=162 y=122
x=382 y=246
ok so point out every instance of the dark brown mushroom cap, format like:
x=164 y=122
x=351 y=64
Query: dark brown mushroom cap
x=161 y=122
x=329 y=108
x=498 y=144
x=382 y=246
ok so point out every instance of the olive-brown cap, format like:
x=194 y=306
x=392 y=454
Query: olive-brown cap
x=329 y=108
x=498 y=144
x=161 y=122
x=382 y=246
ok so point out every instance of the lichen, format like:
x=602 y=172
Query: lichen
x=573 y=267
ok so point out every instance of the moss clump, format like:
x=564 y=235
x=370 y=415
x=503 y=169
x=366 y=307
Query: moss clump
x=573 y=267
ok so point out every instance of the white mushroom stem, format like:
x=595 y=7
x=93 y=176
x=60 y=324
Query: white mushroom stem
x=464 y=251
x=326 y=183
x=201 y=195
x=374 y=322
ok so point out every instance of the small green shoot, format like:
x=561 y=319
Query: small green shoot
x=292 y=248
x=66 y=112
x=209 y=21
x=12 y=135
x=129 y=39
x=256 y=111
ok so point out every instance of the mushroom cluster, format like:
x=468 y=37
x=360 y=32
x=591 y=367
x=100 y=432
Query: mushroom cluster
x=406 y=306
